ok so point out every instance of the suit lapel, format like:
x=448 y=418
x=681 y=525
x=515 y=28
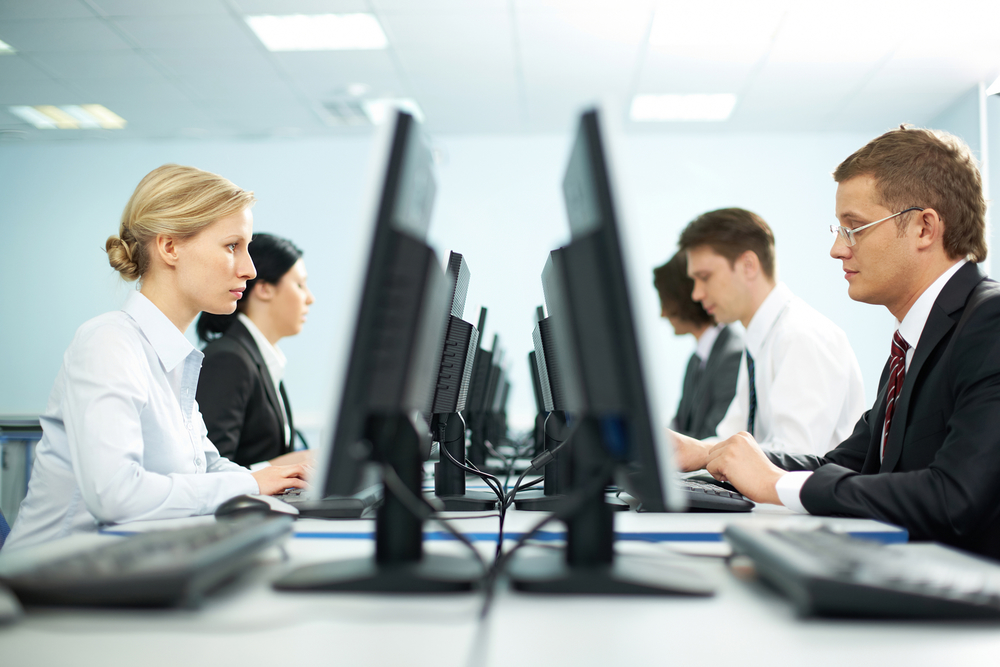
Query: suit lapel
x=944 y=313
x=872 y=462
x=245 y=338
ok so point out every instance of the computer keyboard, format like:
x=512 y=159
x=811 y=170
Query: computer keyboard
x=361 y=504
x=713 y=497
x=156 y=569
x=833 y=574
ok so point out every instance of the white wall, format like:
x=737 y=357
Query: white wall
x=499 y=204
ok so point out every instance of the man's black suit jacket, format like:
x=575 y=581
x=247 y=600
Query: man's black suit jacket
x=708 y=391
x=237 y=399
x=940 y=478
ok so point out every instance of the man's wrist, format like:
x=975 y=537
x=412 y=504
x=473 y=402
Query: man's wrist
x=789 y=489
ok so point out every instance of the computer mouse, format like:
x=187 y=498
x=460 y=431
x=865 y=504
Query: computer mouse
x=244 y=505
x=10 y=608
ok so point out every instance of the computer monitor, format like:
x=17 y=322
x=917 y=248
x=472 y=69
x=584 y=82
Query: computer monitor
x=599 y=350
x=476 y=406
x=392 y=360
x=461 y=341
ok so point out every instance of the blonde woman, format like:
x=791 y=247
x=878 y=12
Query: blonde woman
x=123 y=439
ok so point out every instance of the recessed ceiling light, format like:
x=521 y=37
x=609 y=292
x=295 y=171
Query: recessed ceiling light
x=69 y=116
x=682 y=107
x=994 y=88
x=319 y=32
x=357 y=89
x=378 y=110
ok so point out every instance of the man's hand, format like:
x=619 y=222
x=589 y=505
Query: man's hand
x=275 y=479
x=690 y=454
x=740 y=461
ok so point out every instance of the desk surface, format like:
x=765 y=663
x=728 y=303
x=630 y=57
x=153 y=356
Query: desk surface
x=250 y=624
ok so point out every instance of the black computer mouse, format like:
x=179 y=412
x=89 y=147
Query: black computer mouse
x=244 y=505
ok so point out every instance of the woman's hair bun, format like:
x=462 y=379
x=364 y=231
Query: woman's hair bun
x=120 y=258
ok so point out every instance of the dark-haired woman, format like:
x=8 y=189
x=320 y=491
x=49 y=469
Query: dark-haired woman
x=240 y=390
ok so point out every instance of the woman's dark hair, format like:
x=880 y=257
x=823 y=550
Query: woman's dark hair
x=672 y=282
x=272 y=256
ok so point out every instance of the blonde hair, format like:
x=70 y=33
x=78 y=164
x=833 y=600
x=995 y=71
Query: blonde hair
x=175 y=200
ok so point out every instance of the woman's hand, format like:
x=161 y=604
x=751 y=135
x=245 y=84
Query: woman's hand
x=275 y=479
x=303 y=456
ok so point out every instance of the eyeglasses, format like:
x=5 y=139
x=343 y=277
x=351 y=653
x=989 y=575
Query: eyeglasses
x=847 y=234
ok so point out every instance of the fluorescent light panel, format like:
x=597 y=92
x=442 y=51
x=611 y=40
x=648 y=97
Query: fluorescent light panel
x=682 y=107
x=69 y=116
x=5 y=47
x=319 y=32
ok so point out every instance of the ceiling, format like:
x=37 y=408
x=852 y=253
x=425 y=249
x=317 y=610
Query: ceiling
x=193 y=68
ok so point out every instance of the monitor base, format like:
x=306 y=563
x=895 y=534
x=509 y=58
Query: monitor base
x=626 y=575
x=470 y=501
x=431 y=574
x=535 y=501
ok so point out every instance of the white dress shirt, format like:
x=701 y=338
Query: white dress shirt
x=123 y=439
x=275 y=361
x=789 y=486
x=808 y=382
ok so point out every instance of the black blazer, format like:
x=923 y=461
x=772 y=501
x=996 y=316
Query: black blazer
x=940 y=478
x=238 y=402
x=708 y=391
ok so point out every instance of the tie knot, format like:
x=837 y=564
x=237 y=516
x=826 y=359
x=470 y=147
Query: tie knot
x=899 y=346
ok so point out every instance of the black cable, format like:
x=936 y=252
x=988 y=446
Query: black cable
x=564 y=511
x=488 y=478
x=419 y=508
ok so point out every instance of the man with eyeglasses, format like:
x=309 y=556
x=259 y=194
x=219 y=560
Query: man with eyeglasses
x=799 y=387
x=927 y=455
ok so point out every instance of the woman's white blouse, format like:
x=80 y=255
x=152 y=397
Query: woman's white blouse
x=123 y=438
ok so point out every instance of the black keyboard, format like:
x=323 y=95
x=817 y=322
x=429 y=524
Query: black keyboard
x=833 y=574
x=361 y=504
x=713 y=497
x=157 y=569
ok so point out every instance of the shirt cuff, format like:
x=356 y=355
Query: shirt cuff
x=259 y=466
x=789 y=487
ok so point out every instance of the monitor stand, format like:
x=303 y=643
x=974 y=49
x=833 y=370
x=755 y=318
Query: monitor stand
x=557 y=473
x=400 y=564
x=589 y=565
x=449 y=479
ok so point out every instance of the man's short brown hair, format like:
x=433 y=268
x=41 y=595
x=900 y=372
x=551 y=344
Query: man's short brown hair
x=730 y=232
x=674 y=287
x=913 y=166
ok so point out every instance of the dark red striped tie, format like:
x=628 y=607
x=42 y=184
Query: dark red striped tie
x=897 y=370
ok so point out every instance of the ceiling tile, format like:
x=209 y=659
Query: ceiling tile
x=285 y=7
x=223 y=85
x=171 y=8
x=187 y=32
x=454 y=33
x=112 y=92
x=16 y=68
x=36 y=92
x=43 y=9
x=61 y=35
x=184 y=62
x=439 y=6
x=102 y=65
x=338 y=69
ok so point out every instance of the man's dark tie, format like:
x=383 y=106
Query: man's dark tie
x=897 y=370
x=753 y=395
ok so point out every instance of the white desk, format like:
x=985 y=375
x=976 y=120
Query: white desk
x=249 y=624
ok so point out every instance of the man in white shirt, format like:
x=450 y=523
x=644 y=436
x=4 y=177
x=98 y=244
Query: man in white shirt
x=799 y=388
x=927 y=455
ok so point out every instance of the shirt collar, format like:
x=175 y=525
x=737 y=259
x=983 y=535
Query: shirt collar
x=912 y=325
x=274 y=358
x=707 y=340
x=765 y=317
x=170 y=345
